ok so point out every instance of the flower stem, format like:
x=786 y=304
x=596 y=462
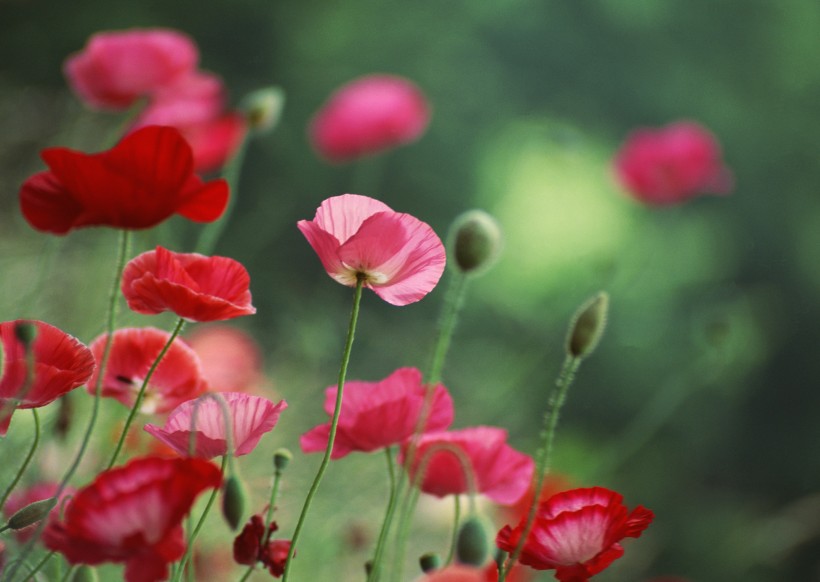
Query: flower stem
x=454 y=539
x=388 y=518
x=39 y=566
x=25 y=464
x=334 y=423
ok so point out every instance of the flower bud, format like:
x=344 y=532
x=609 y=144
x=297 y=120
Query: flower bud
x=472 y=546
x=588 y=325
x=233 y=501
x=31 y=513
x=84 y=573
x=281 y=458
x=430 y=562
x=26 y=332
x=475 y=241
x=263 y=108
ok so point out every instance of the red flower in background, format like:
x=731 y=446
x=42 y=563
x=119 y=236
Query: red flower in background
x=143 y=180
x=231 y=358
x=254 y=545
x=672 y=164
x=462 y=573
x=23 y=497
x=61 y=363
x=132 y=514
x=376 y=415
x=195 y=287
x=577 y=533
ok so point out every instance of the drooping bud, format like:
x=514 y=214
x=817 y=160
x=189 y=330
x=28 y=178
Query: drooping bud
x=84 y=573
x=475 y=241
x=588 y=325
x=472 y=546
x=233 y=501
x=263 y=108
x=31 y=513
x=281 y=458
x=26 y=332
x=430 y=562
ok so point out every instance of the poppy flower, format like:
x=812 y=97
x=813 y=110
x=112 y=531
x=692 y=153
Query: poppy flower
x=133 y=515
x=672 y=164
x=251 y=417
x=462 y=573
x=61 y=363
x=367 y=116
x=195 y=287
x=177 y=378
x=376 y=415
x=577 y=533
x=399 y=256
x=143 y=180
x=254 y=545
x=20 y=498
x=231 y=358
x=501 y=473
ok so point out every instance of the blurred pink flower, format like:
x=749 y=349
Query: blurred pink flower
x=23 y=497
x=367 y=116
x=231 y=358
x=400 y=257
x=672 y=164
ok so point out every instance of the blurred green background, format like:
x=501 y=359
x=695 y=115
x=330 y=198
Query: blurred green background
x=702 y=401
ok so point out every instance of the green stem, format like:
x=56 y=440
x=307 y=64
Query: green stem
x=454 y=539
x=388 y=518
x=67 y=574
x=25 y=464
x=334 y=423
x=39 y=566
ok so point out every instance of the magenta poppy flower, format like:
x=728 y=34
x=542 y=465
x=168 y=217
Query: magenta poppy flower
x=61 y=364
x=20 y=498
x=253 y=545
x=251 y=417
x=132 y=515
x=195 y=287
x=672 y=164
x=143 y=180
x=399 y=256
x=577 y=533
x=178 y=376
x=231 y=358
x=367 y=116
x=376 y=415
x=501 y=473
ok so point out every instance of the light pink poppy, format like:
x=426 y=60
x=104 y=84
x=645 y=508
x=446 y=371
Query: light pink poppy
x=376 y=415
x=369 y=115
x=501 y=473
x=23 y=497
x=193 y=286
x=672 y=164
x=251 y=417
x=178 y=376
x=231 y=358
x=399 y=256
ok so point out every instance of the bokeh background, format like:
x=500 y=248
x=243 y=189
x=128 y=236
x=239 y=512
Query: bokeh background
x=701 y=403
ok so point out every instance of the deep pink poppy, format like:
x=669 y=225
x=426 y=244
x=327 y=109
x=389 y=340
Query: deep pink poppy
x=376 y=415
x=195 y=287
x=20 y=498
x=231 y=358
x=399 y=256
x=254 y=545
x=577 y=533
x=132 y=514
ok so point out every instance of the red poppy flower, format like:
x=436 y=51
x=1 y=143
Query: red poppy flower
x=195 y=287
x=61 y=363
x=23 y=497
x=376 y=415
x=143 y=180
x=231 y=358
x=254 y=545
x=462 y=573
x=132 y=514
x=178 y=376
x=577 y=533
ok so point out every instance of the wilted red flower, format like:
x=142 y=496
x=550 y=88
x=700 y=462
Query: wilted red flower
x=231 y=358
x=400 y=256
x=143 y=180
x=672 y=164
x=577 y=533
x=61 y=363
x=251 y=417
x=132 y=514
x=376 y=415
x=195 y=287
x=20 y=498
x=501 y=473
x=177 y=378
x=254 y=545
x=367 y=116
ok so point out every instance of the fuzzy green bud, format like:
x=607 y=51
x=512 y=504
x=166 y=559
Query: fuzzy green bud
x=84 y=573
x=31 y=513
x=26 y=332
x=263 y=108
x=430 y=562
x=475 y=241
x=588 y=325
x=281 y=458
x=233 y=501
x=472 y=546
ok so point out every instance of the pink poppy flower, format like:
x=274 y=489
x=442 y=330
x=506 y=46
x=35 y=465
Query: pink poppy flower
x=400 y=256
x=143 y=180
x=501 y=473
x=251 y=417
x=61 y=364
x=133 y=515
x=254 y=545
x=178 y=376
x=195 y=287
x=672 y=164
x=231 y=358
x=118 y=67
x=367 y=116
x=577 y=533
x=376 y=415
x=20 y=498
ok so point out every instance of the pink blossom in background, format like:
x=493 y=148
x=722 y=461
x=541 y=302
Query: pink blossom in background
x=400 y=257
x=376 y=415
x=231 y=358
x=23 y=497
x=672 y=164
x=367 y=116
x=216 y=141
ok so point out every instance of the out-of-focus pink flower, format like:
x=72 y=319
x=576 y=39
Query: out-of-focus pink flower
x=462 y=573
x=376 y=415
x=251 y=417
x=367 y=116
x=577 y=533
x=216 y=141
x=23 y=497
x=399 y=256
x=500 y=472
x=254 y=545
x=672 y=164
x=178 y=376
x=231 y=358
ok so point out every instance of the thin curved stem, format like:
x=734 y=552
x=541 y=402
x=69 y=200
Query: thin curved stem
x=454 y=538
x=26 y=462
x=38 y=566
x=388 y=518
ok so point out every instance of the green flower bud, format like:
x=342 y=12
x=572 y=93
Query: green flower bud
x=31 y=513
x=475 y=241
x=84 y=573
x=472 y=546
x=233 y=501
x=281 y=458
x=588 y=325
x=430 y=562
x=263 y=108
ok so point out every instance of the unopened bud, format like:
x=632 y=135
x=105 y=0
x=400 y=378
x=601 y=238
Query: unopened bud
x=263 y=108
x=233 y=501
x=84 y=573
x=430 y=562
x=31 y=513
x=368 y=568
x=475 y=241
x=472 y=546
x=588 y=326
x=26 y=332
x=281 y=458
